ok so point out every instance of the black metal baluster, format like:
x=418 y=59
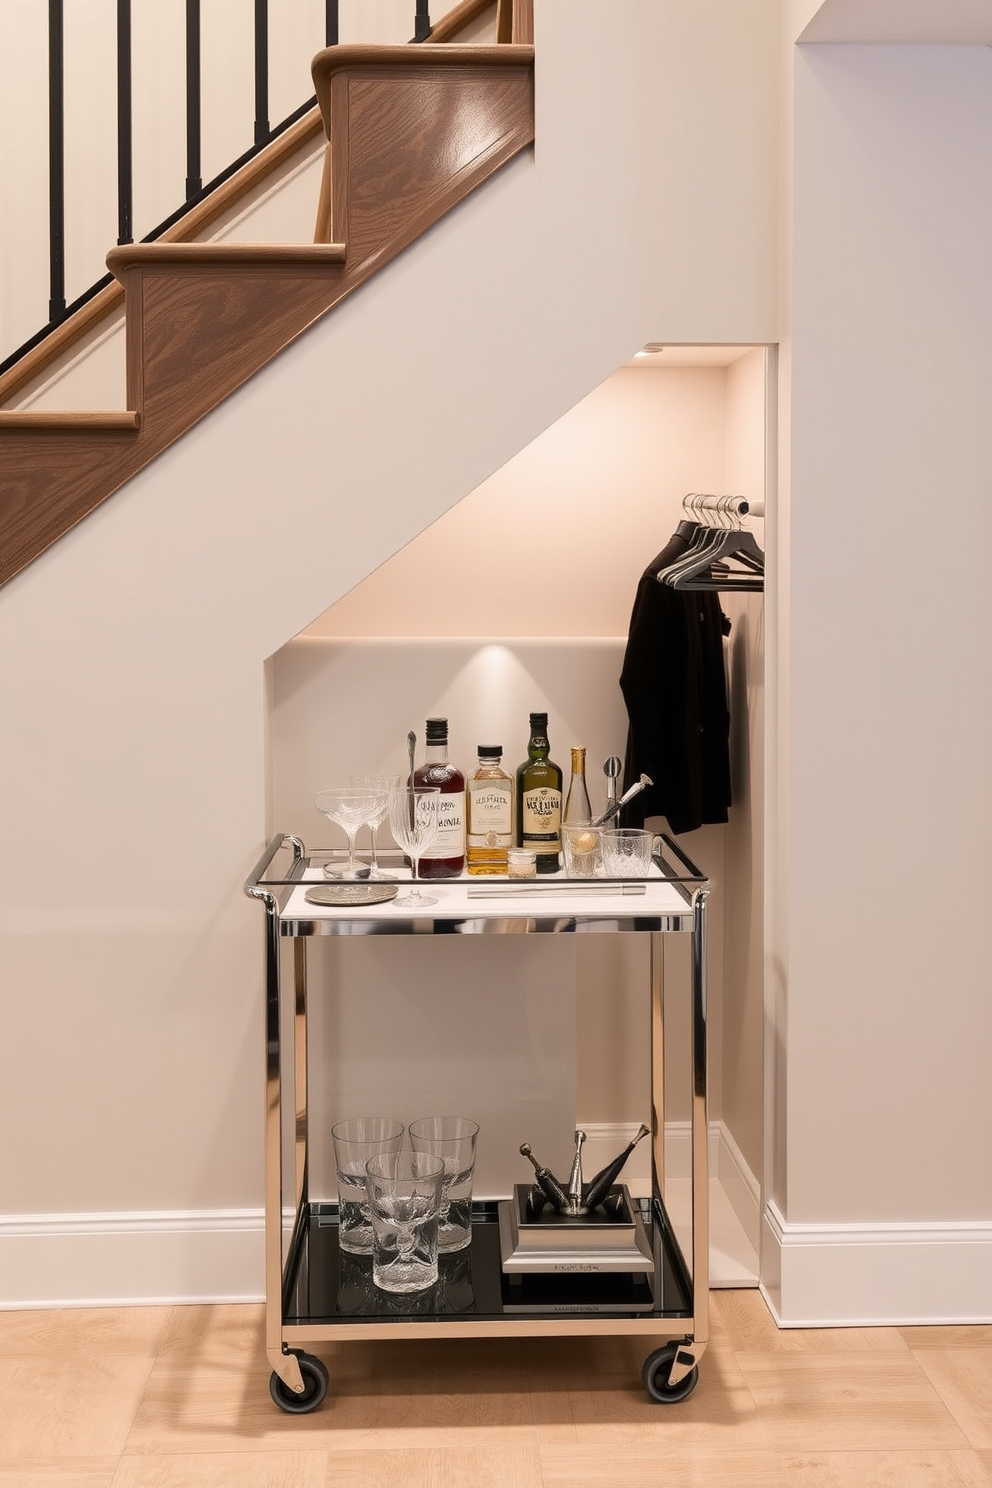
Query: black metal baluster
x=125 y=183
x=56 y=160
x=422 y=21
x=194 y=172
x=261 y=71
x=331 y=30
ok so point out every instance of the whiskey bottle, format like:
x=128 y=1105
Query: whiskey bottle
x=488 y=814
x=577 y=812
x=539 y=782
x=445 y=858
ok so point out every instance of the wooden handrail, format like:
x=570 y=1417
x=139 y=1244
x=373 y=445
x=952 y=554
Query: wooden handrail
x=108 y=301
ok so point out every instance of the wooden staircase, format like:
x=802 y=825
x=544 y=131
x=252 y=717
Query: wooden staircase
x=411 y=131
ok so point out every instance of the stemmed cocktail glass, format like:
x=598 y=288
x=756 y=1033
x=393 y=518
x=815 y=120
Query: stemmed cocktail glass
x=382 y=787
x=350 y=806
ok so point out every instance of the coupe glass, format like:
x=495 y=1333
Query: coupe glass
x=413 y=821
x=382 y=787
x=349 y=806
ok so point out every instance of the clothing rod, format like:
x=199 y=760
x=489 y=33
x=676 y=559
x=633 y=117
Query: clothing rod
x=734 y=506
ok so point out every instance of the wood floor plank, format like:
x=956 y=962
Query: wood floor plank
x=720 y=1413
x=662 y=1467
x=60 y=1472
x=748 y=1325
x=68 y=1405
x=89 y=1330
x=963 y=1380
x=864 y=1401
x=206 y=1407
x=436 y=1467
x=225 y=1470
x=547 y=1383
x=887 y=1470
x=221 y=1333
x=949 y=1336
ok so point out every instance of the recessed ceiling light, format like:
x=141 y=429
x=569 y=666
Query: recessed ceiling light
x=651 y=348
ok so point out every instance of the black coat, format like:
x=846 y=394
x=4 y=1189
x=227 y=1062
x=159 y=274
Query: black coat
x=674 y=684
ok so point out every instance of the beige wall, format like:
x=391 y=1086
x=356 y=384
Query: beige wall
x=879 y=1181
x=891 y=714
x=134 y=664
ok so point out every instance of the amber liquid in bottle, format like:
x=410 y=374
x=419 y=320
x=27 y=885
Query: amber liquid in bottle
x=539 y=782
x=446 y=857
x=488 y=814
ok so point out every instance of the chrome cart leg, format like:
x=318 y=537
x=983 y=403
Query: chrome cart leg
x=286 y=1366
x=657 y=1063
x=300 y=1071
x=700 y=1152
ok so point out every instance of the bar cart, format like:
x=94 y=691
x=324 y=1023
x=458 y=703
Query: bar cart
x=316 y=1293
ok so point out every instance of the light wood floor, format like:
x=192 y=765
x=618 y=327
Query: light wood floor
x=178 y=1398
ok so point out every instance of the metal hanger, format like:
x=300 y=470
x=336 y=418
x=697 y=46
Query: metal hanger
x=722 y=557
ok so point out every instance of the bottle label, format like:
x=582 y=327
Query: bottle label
x=490 y=817
x=541 y=819
x=450 y=839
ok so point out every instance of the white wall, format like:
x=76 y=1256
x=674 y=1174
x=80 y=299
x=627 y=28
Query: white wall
x=133 y=667
x=882 y=1188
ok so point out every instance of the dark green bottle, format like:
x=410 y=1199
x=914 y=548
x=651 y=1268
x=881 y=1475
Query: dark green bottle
x=539 y=782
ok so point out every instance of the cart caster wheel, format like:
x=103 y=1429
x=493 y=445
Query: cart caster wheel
x=315 y=1382
x=657 y=1367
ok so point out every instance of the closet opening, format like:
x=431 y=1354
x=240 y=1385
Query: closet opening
x=520 y=598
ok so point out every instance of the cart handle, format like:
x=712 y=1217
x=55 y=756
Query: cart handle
x=251 y=887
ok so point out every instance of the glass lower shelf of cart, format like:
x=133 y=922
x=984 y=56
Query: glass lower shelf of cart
x=327 y=1286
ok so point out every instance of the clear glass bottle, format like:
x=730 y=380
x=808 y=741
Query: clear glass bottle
x=446 y=857
x=577 y=812
x=488 y=814
x=539 y=782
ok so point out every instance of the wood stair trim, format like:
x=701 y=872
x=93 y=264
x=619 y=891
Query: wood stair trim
x=339 y=59
x=201 y=323
x=70 y=421
x=119 y=260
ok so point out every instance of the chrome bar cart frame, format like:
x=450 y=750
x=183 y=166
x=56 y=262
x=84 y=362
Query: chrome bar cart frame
x=674 y=902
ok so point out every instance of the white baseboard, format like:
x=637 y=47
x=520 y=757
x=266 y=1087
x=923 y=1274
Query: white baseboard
x=120 y=1260
x=812 y=1275
x=837 y=1275
x=175 y=1257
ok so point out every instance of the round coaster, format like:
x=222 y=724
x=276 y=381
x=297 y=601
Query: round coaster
x=351 y=893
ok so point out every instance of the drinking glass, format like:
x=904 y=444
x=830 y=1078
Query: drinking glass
x=355 y=1142
x=452 y=1139
x=580 y=847
x=382 y=787
x=413 y=821
x=627 y=853
x=404 y=1194
x=349 y=806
